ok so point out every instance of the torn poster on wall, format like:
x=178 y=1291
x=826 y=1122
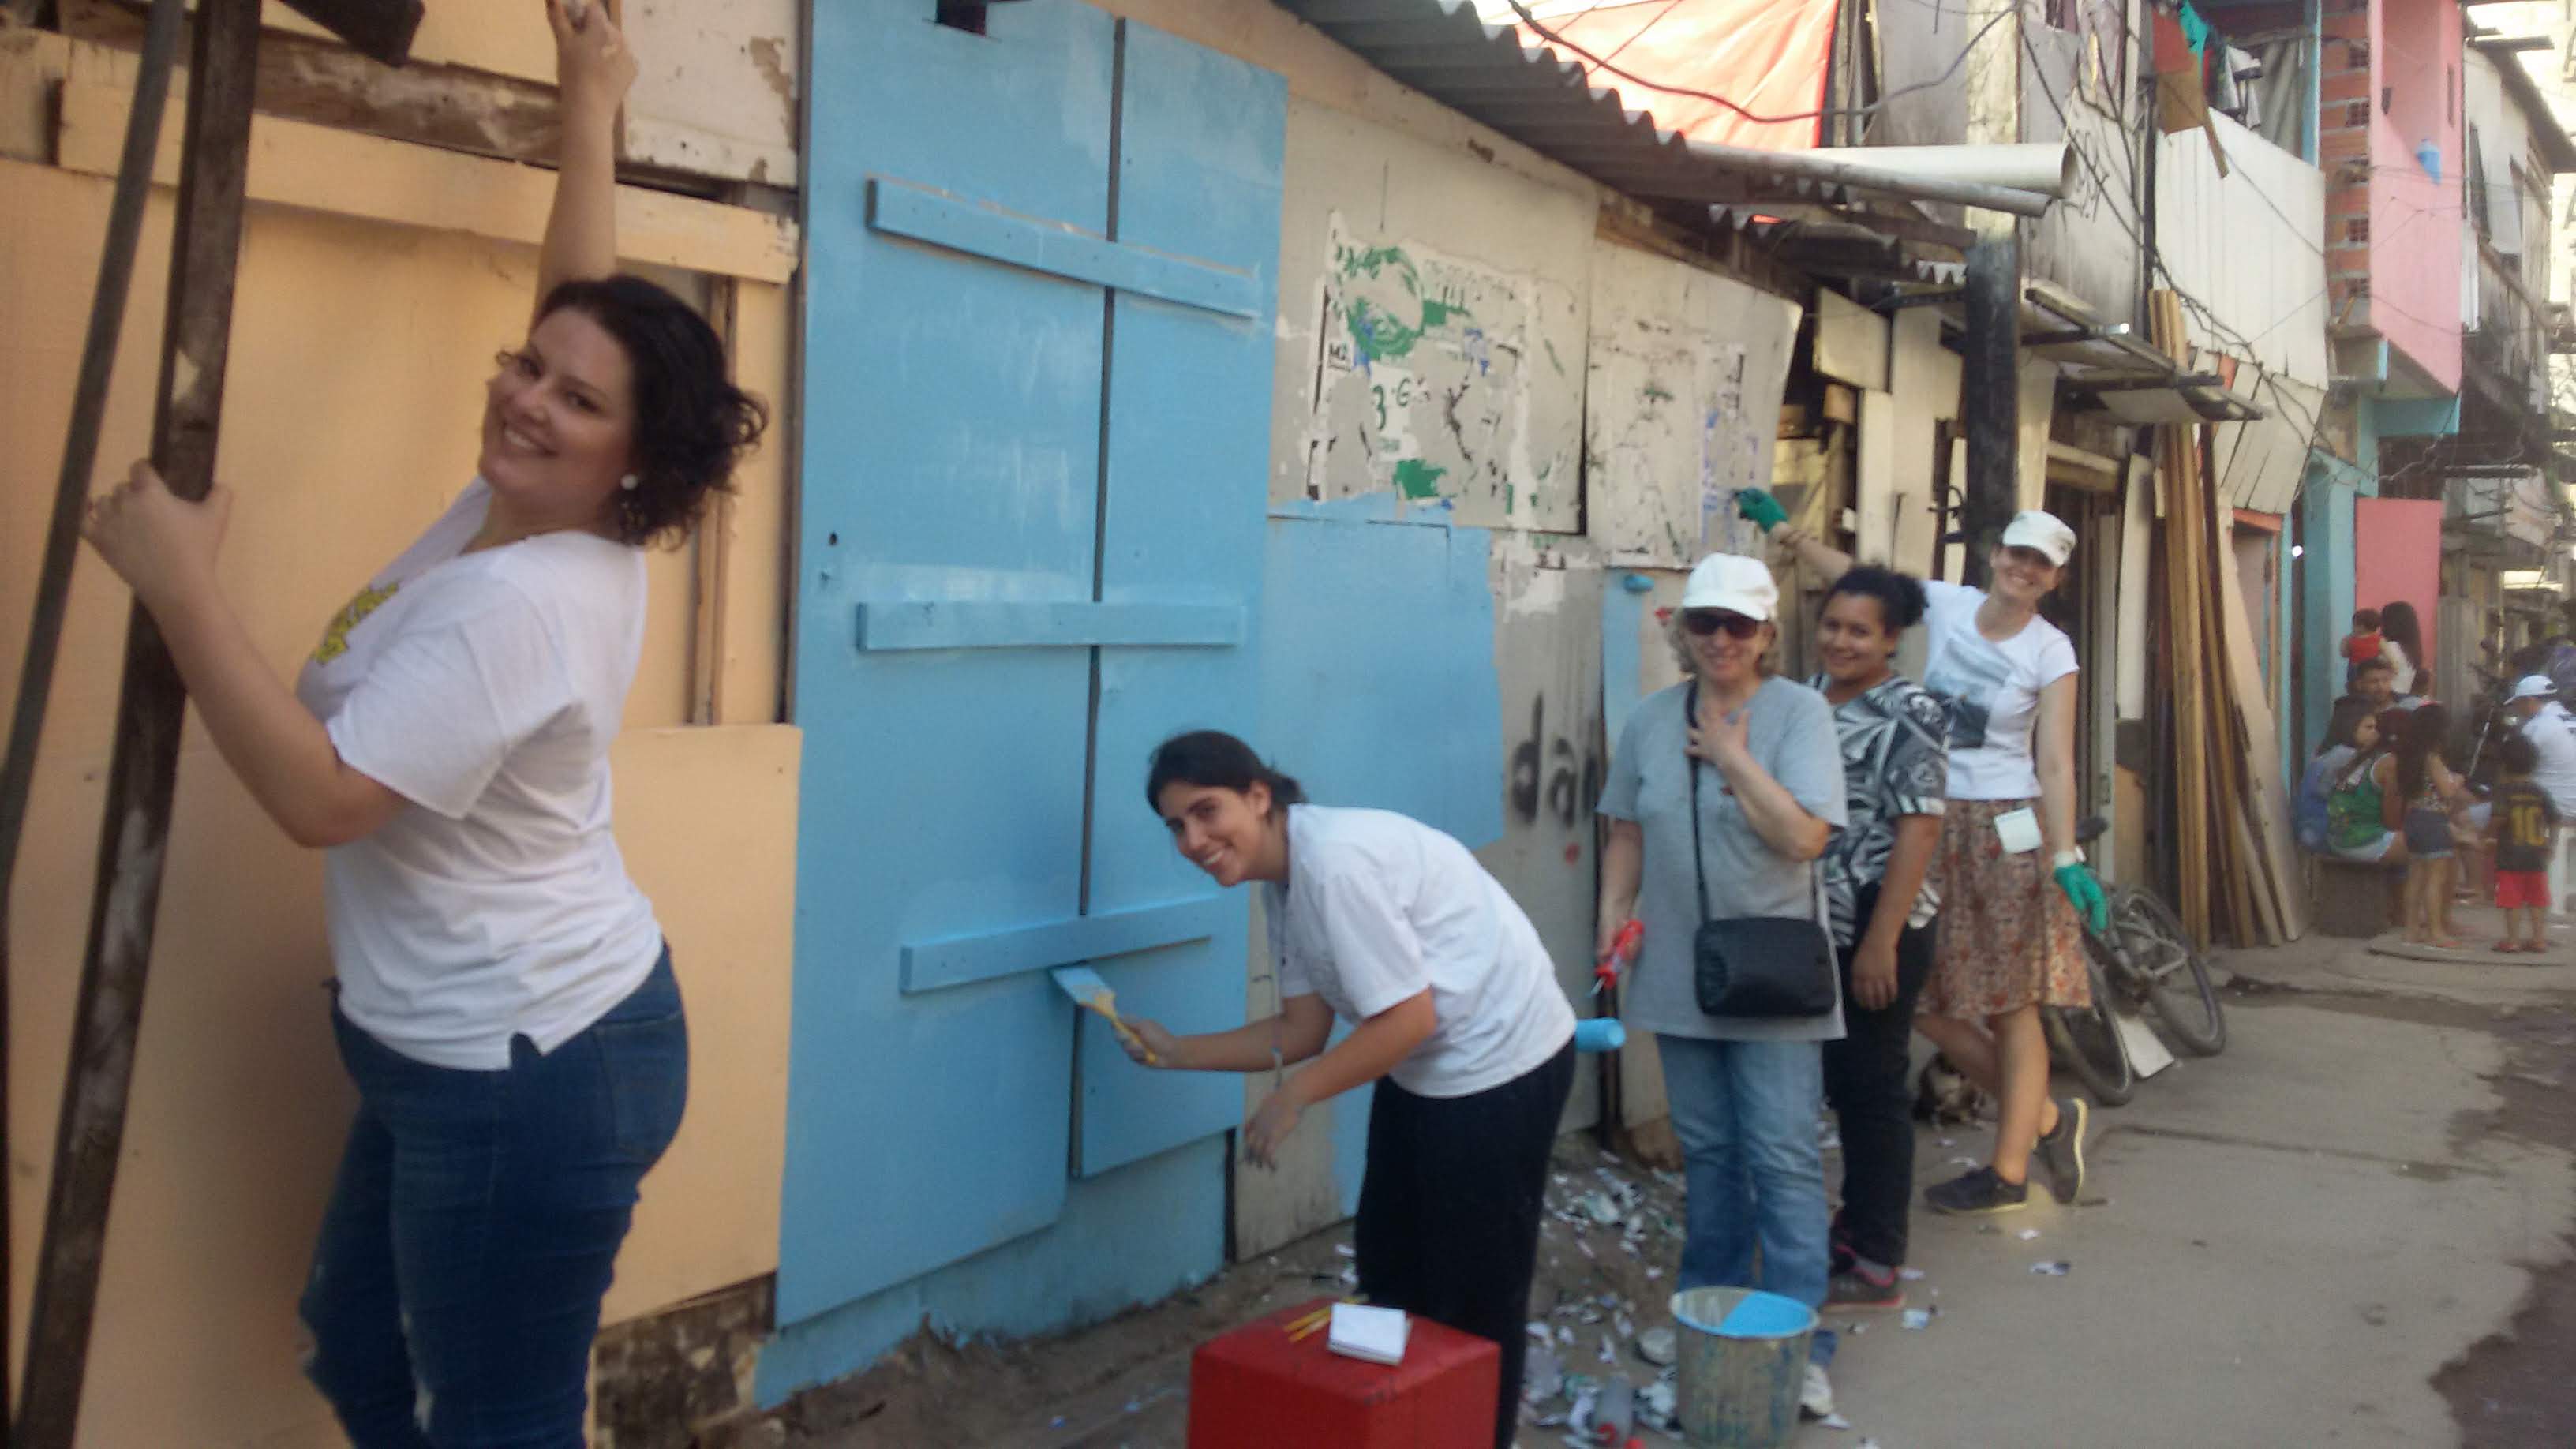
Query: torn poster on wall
x=1423 y=379
x=1669 y=444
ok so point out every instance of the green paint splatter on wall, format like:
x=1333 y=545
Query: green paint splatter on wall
x=1552 y=359
x=1437 y=314
x=1655 y=393
x=1372 y=260
x=1415 y=478
x=1511 y=495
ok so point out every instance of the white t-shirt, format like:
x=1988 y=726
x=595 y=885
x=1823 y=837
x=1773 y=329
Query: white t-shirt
x=1992 y=690
x=1380 y=907
x=2552 y=732
x=484 y=688
x=2404 y=679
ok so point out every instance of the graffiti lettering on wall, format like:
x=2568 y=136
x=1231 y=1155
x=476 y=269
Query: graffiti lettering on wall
x=1422 y=381
x=1551 y=777
x=1668 y=443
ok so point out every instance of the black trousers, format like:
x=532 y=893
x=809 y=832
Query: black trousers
x=1450 y=1208
x=1865 y=1085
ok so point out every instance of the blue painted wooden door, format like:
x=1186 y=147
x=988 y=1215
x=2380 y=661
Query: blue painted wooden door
x=1041 y=271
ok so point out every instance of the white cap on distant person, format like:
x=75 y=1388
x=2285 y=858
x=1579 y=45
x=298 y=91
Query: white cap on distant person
x=2045 y=532
x=2532 y=686
x=1732 y=582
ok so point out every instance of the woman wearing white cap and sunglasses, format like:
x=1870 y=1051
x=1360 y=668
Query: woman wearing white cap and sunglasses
x=2011 y=879
x=1723 y=793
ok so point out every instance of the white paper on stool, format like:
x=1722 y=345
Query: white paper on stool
x=1374 y=1334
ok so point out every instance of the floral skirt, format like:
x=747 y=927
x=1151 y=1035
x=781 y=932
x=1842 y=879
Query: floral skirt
x=2007 y=936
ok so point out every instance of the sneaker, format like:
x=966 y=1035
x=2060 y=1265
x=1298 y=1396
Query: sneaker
x=2062 y=1151
x=1855 y=1287
x=1816 y=1399
x=1977 y=1193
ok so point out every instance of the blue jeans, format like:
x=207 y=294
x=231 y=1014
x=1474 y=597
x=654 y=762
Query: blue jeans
x=1746 y=1114
x=475 y=1226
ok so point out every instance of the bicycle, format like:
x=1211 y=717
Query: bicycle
x=2145 y=960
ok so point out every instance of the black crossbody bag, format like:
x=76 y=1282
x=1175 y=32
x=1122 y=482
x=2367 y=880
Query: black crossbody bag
x=1753 y=966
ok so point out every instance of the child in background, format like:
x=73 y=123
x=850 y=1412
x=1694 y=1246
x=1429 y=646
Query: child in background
x=2364 y=640
x=2423 y=798
x=2522 y=830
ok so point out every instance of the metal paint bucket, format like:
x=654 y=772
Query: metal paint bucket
x=1743 y=1362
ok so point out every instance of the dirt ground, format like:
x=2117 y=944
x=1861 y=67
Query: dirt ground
x=1607 y=1255
x=1123 y=1384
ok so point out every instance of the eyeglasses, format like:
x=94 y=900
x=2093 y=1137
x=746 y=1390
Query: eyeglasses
x=1709 y=621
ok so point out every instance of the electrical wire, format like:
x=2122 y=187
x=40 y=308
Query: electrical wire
x=1944 y=78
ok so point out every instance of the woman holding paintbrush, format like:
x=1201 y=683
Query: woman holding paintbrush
x=1395 y=928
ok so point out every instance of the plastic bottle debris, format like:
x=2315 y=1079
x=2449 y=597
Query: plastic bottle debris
x=1599 y=1207
x=1659 y=1403
x=1542 y=1376
x=1659 y=1346
x=1918 y=1318
x=2052 y=1270
x=2028 y=1235
x=1564 y=1334
x=1542 y=1333
x=1608 y=1354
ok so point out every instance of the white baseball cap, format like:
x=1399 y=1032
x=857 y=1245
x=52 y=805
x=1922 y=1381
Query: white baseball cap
x=1732 y=582
x=2045 y=532
x=2532 y=686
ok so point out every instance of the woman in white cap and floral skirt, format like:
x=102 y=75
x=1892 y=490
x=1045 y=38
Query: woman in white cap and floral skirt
x=2012 y=880
x=1724 y=792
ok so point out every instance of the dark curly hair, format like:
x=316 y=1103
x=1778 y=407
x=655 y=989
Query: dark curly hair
x=692 y=425
x=1901 y=600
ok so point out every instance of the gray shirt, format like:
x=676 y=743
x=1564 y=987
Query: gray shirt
x=1792 y=737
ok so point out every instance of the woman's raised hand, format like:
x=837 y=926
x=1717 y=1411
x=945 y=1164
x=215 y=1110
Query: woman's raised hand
x=593 y=66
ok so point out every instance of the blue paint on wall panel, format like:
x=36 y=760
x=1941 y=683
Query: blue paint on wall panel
x=979 y=435
x=1377 y=669
x=1201 y=144
x=1144 y=1233
x=1042 y=247
x=952 y=434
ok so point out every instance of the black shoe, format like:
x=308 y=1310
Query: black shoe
x=1977 y=1193
x=2062 y=1151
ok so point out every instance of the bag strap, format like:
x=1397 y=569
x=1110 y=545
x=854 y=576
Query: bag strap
x=1691 y=762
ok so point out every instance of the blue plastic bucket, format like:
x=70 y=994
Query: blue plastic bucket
x=1743 y=1363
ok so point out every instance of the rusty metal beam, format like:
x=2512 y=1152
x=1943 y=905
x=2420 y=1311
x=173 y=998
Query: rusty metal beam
x=134 y=839
x=71 y=486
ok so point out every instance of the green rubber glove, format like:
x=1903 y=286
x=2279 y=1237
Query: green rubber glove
x=2076 y=879
x=1758 y=505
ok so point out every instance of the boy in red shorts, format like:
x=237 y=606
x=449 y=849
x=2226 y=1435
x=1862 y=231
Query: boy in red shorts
x=2522 y=830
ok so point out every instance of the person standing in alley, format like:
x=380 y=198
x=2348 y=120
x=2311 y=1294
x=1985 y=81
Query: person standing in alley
x=2011 y=878
x=2552 y=732
x=1896 y=770
x=2523 y=832
x=2426 y=800
x=1722 y=797
x=1396 y=928
x=505 y=1003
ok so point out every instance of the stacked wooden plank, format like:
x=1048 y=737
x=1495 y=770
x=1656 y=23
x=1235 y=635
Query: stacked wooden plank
x=2235 y=866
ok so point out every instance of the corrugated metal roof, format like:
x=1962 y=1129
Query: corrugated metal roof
x=1441 y=48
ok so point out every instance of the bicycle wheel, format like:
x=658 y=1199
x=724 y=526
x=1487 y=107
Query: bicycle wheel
x=2089 y=1039
x=2176 y=976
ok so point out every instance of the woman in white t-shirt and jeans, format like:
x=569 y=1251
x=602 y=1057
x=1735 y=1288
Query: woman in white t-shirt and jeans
x=1392 y=926
x=506 y=1004
x=2011 y=879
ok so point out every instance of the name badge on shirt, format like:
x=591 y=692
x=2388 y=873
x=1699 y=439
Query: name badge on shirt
x=2019 y=831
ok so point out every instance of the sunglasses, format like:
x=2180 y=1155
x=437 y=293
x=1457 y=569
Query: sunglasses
x=1708 y=621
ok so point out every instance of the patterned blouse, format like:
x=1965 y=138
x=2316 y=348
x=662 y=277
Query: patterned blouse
x=1896 y=762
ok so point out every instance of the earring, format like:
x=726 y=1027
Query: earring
x=628 y=482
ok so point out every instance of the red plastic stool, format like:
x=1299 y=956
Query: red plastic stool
x=1253 y=1389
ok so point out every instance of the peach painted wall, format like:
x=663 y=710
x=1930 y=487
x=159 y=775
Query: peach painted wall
x=358 y=356
x=2397 y=554
x=2416 y=222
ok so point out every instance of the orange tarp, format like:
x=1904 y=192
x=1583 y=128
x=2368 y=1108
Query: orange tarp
x=1768 y=56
